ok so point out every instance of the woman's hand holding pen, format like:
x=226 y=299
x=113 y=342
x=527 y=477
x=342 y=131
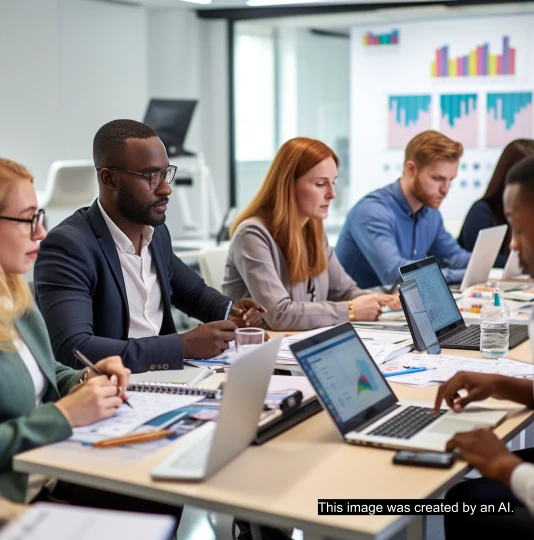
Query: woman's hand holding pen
x=93 y=401
x=112 y=366
x=247 y=312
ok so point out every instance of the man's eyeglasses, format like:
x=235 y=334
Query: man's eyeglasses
x=154 y=179
x=36 y=218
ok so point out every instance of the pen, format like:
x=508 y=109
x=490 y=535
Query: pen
x=135 y=438
x=85 y=361
x=228 y=310
x=213 y=361
x=405 y=371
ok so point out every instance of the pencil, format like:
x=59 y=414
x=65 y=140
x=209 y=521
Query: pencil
x=134 y=438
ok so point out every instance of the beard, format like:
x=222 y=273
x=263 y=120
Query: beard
x=422 y=196
x=137 y=212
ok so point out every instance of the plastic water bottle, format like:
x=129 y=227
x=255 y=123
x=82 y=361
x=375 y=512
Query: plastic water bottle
x=494 y=327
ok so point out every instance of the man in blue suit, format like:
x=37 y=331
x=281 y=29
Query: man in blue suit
x=106 y=276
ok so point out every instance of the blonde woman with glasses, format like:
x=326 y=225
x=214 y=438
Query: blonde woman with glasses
x=41 y=401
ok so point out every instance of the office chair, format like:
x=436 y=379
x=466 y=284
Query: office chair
x=70 y=185
x=212 y=263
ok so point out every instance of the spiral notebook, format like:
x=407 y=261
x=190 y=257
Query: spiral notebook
x=179 y=389
x=149 y=400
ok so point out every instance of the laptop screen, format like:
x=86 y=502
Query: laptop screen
x=437 y=298
x=344 y=375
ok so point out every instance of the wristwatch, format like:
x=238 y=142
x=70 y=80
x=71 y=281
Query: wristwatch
x=352 y=316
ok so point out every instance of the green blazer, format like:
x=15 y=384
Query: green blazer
x=22 y=426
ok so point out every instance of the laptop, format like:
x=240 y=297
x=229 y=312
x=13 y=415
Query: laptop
x=512 y=268
x=484 y=255
x=209 y=447
x=362 y=405
x=446 y=319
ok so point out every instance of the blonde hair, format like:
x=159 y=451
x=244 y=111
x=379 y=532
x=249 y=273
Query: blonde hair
x=276 y=205
x=430 y=146
x=15 y=295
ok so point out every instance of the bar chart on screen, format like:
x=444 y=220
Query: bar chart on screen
x=459 y=118
x=408 y=116
x=508 y=117
x=477 y=63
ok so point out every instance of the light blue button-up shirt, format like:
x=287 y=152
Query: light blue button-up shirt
x=382 y=233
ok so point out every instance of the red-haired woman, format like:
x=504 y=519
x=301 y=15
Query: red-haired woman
x=279 y=252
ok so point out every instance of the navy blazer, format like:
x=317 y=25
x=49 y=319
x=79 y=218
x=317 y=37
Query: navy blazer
x=80 y=291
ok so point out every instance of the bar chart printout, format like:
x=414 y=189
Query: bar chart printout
x=478 y=63
x=508 y=117
x=459 y=118
x=407 y=116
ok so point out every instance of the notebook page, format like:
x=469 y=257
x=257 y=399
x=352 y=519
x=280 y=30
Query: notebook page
x=64 y=522
x=146 y=406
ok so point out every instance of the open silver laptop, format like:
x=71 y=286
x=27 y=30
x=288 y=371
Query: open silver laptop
x=362 y=405
x=209 y=447
x=487 y=246
x=512 y=268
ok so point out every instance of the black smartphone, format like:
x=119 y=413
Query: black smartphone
x=441 y=460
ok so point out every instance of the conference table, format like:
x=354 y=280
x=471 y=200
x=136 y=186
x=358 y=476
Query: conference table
x=279 y=483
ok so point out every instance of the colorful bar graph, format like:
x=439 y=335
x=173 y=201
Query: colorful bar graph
x=459 y=118
x=478 y=63
x=407 y=116
x=508 y=117
x=371 y=39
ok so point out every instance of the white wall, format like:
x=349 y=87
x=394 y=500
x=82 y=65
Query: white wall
x=188 y=60
x=68 y=67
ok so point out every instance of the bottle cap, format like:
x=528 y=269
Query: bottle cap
x=497 y=295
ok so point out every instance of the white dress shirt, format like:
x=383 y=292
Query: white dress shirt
x=141 y=281
x=522 y=479
x=40 y=382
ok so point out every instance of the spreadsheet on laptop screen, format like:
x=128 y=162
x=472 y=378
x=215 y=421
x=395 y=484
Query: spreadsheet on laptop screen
x=438 y=301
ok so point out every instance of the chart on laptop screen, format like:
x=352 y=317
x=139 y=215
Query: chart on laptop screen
x=438 y=301
x=345 y=376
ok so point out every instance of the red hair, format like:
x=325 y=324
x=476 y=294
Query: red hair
x=275 y=204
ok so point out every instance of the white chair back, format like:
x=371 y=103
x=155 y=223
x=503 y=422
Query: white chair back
x=70 y=185
x=212 y=263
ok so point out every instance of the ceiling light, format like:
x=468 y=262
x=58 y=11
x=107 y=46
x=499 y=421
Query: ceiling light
x=280 y=2
x=198 y=1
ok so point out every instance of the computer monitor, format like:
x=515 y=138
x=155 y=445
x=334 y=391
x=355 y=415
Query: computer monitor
x=171 y=119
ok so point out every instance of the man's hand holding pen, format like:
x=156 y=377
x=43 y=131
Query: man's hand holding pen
x=247 y=312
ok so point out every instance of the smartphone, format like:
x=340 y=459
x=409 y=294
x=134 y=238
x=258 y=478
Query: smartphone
x=441 y=460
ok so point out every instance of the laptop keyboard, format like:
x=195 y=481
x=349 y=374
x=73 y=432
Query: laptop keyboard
x=469 y=337
x=407 y=423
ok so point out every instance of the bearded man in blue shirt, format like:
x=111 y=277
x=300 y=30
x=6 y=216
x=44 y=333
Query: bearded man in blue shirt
x=401 y=223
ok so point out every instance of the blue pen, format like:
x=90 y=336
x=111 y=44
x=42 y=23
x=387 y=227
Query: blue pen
x=202 y=361
x=405 y=371
x=228 y=310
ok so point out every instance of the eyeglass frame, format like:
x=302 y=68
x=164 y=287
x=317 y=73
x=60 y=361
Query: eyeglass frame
x=35 y=219
x=148 y=176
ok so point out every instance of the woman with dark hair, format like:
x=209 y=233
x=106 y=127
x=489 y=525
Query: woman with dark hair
x=488 y=211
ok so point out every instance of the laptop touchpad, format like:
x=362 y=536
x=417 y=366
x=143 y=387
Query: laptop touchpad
x=451 y=426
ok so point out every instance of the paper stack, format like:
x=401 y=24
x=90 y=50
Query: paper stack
x=440 y=368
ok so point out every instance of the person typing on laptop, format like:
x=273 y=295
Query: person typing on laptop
x=507 y=475
x=401 y=223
